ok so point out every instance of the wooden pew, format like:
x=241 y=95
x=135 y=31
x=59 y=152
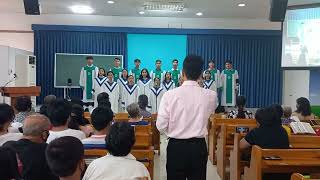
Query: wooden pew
x=145 y=156
x=296 y=142
x=224 y=145
x=292 y=160
x=215 y=129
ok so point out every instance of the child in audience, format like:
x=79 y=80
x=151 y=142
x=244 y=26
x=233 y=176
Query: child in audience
x=23 y=106
x=113 y=90
x=59 y=113
x=130 y=93
x=119 y=163
x=168 y=83
x=287 y=112
x=101 y=119
x=145 y=83
x=158 y=72
x=135 y=116
x=208 y=82
x=116 y=69
x=156 y=94
x=136 y=71
x=98 y=85
x=65 y=158
x=303 y=111
x=241 y=113
x=143 y=103
x=6 y=117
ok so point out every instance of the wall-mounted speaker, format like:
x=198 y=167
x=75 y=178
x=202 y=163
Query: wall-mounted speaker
x=278 y=10
x=31 y=7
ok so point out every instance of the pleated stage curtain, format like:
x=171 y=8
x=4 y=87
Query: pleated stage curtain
x=48 y=42
x=256 y=57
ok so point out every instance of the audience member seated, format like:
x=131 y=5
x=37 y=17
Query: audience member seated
x=8 y=164
x=269 y=135
x=303 y=111
x=65 y=158
x=31 y=148
x=143 y=103
x=241 y=113
x=287 y=112
x=23 y=106
x=101 y=119
x=47 y=101
x=59 y=114
x=118 y=164
x=78 y=121
x=135 y=117
x=6 y=117
x=103 y=100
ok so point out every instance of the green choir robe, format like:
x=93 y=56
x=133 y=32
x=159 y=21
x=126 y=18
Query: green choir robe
x=229 y=87
x=136 y=74
x=157 y=73
x=175 y=74
x=117 y=73
x=87 y=77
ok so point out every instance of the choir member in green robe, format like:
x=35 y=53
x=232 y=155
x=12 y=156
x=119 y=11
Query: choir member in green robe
x=230 y=85
x=175 y=72
x=87 y=76
x=136 y=71
x=117 y=69
x=158 y=72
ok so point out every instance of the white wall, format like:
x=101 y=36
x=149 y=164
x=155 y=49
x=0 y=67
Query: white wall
x=17 y=40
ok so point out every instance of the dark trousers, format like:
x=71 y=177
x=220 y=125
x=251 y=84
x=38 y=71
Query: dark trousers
x=187 y=159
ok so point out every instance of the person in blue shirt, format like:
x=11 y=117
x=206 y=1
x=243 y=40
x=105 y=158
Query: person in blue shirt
x=135 y=117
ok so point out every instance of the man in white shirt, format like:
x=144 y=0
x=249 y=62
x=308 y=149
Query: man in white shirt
x=183 y=116
x=119 y=164
x=59 y=113
x=101 y=119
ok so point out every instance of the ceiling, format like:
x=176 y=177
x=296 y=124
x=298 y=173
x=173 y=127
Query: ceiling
x=255 y=9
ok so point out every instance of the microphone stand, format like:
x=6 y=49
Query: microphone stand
x=5 y=85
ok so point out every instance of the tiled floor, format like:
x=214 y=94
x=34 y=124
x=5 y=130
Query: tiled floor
x=160 y=165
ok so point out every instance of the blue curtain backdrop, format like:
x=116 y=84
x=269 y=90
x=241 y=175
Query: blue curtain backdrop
x=48 y=42
x=256 y=57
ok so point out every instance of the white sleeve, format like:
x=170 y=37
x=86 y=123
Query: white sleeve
x=221 y=80
x=81 y=80
x=218 y=79
x=151 y=75
x=96 y=72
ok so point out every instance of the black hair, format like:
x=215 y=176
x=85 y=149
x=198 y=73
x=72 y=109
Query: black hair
x=148 y=75
x=110 y=72
x=116 y=58
x=278 y=111
x=241 y=102
x=165 y=76
x=101 y=118
x=303 y=106
x=268 y=117
x=122 y=74
x=89 y=57
x=59 y=112
x=228 y=61
x=8 y=164
x=6 y=114
x=77 y=117
x=211 y=61
x=143 y=101
x=175 y=60
x=154 y=79
x=103 y=100
x=120 y=139
x=23 y=104
x=137 y=60
x=103 y=70
x=158 y=60
x=192 y=67
x=63 y=155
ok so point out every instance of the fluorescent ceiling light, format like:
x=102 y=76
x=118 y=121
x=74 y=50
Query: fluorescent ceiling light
x=163 y=6
x=241 y=4
x=82 y=9
x=141 y=12
x=199 y=14
x=110 y=2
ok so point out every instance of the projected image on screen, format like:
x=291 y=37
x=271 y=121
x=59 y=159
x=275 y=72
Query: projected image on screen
x=301 y=37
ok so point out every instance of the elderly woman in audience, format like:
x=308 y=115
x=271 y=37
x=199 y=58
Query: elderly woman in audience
x=6 y=117
x=241 y=113
x=118 y=164
x=101 y=119
x=143 y=103
x=23 y=106
x=303 y=111
x=135 y=117
x=287 y=112
x=65 y=158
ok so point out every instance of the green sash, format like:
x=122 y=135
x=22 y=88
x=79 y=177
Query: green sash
x=136 y=73
x=116 y=72
x=213 y=73
x=158 y=74
x=229 y=85
x=89 y=73
x=175 y=76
